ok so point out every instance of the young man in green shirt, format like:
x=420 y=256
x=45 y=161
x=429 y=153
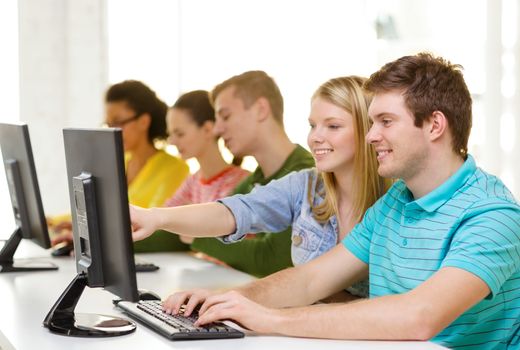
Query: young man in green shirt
x=249 y=117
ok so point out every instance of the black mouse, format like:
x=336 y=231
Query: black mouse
x=148 y=295
x=62 y=249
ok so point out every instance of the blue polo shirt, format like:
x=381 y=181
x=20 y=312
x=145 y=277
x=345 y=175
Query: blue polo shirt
x=471 y=222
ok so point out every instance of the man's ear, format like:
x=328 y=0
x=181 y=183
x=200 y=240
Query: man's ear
x=437 y=125
x=263 y=109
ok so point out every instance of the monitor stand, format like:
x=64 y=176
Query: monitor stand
x=63 y=320
x=7 y=263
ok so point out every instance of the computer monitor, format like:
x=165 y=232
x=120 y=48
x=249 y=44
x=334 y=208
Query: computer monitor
x=25 y=199
x=101 y=232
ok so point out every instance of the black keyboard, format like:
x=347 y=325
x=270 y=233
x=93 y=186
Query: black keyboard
x=176 y=327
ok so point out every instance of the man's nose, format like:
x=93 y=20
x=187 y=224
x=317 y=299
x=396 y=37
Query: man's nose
x=372 y=135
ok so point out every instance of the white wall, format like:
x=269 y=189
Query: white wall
x=199 y=43
x=71 y=50
x=63 y=74
x=301 y=44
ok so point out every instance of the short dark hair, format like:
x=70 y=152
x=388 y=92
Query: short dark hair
x=141 y=99
x=429 y=84
x=252 y=85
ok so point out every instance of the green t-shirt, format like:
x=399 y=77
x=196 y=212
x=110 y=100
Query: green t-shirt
x=265 y=253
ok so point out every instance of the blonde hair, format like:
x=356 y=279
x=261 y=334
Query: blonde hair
x=348 y=94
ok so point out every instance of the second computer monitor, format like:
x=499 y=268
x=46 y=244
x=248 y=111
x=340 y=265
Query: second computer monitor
x=22 y=182
x=102 y=235
x=97 y=186
x=25 y=199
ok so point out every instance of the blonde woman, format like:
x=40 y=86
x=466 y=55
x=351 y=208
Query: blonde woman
x=322 y=205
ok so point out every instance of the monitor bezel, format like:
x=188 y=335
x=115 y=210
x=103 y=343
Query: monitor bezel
x=100 y=152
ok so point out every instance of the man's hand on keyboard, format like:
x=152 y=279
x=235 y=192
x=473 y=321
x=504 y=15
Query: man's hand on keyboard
x=234 y=306
x=222 y=306
x=191 y=299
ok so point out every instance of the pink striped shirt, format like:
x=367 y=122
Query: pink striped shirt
x=196 y=190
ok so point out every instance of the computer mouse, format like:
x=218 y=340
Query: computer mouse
x=63 y=249
x=148 y=295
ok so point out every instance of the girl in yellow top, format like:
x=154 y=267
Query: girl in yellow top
x=152 y=174
x=158 y=179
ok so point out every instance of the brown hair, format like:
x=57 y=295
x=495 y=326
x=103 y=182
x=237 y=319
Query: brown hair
x=348 y=94
x=429 y=84
x=249 y=87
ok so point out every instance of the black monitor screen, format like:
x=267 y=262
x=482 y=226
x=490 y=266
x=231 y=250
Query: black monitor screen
x=99 y=205
x=103 y=247
x=23 y=183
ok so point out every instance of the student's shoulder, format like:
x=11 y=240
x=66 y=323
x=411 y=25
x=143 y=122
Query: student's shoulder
x=483 y=188
x=169 y=160
x=302 y=177
x=300 y=158
x=237 y=172
x=296 y=180
x=485 y=198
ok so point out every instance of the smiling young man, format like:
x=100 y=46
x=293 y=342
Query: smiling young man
x=441 y=248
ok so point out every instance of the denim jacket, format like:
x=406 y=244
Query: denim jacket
x=283 y=203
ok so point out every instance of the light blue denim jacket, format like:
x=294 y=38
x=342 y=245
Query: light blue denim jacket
x=283 y=203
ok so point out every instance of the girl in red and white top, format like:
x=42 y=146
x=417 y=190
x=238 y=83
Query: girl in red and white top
x=190 y=126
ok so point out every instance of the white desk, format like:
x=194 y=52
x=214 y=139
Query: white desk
x=27 y=297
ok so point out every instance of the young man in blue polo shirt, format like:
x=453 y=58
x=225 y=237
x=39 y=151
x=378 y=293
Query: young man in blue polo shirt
x=441 y=248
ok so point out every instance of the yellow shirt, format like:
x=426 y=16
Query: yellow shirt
x=157 y=180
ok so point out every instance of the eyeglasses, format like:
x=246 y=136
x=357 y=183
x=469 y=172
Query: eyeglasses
x=121 y=123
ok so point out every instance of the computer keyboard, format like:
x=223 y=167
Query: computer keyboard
x=176 y=327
